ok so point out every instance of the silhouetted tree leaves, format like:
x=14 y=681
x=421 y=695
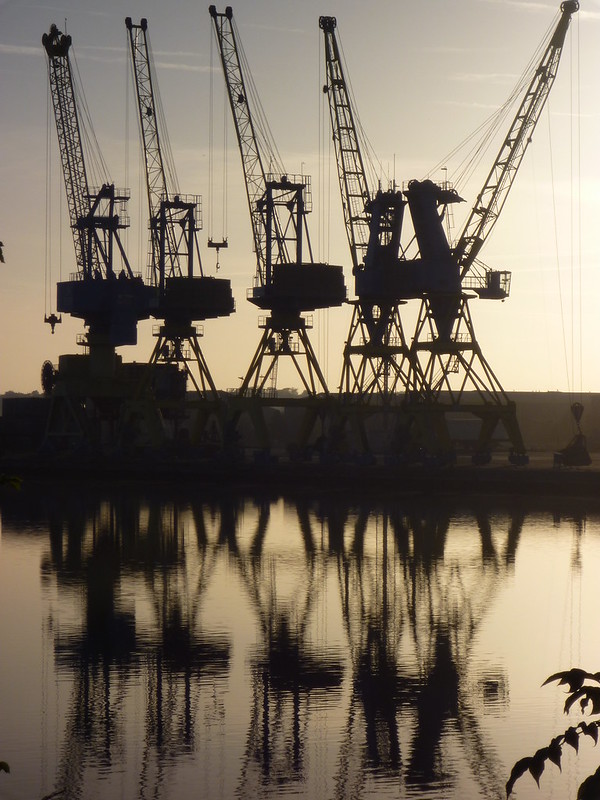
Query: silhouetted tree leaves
x=590 y=729
x=588 y=698
x=519 y=769
x=585 y=696
x=555 y=752
x=572 y=738
x=574 y=677
x=590 y=788
x=538 y=762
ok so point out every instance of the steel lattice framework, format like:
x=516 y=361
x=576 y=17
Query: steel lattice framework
x=91 y=215
x=69 y=135
x=183 y=297
x=351 y=171
x=378 y=365
x=492 y=197
x=285 y=284
x=173 y=218
x=252 y=165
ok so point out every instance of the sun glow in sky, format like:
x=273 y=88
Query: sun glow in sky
x=424 y=76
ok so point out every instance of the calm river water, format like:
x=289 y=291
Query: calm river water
x=161 y=642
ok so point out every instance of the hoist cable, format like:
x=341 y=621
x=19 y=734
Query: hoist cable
x=480 y=140
x=211 y=118
x=577 y=117
x=93 y=155
x=212 y=167
x=557 y=257
x=48 y=236
x=172 y=184
x=225 y=173
x=370 y=158
x=127 y=112
x=266 y=144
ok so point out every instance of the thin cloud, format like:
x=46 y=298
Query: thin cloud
x=20 y=50
x=527 y=5
x=182 y=67
x=531 y=5
x=275 y=28
x=122 y=49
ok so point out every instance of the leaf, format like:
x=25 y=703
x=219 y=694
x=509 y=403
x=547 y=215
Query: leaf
x=585 y=695
x=4 y=767
x=590 y=729
x=555 y=752
x=538 y=763
x=519 y=769
x=590 y=788
x=574 y=677
x=573 y=697
x=572 y=738
x=593 y=694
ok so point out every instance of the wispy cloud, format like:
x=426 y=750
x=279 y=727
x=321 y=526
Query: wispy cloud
x=532 y=5
x=183 y=67
x=527 y=5
x=20 y=50
x=274 y=28
x=105 y=55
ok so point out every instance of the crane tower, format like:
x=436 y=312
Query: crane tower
x=442 y=276
x=92 y=386
x=287 y=284
x=185 y=294
x=444 y=337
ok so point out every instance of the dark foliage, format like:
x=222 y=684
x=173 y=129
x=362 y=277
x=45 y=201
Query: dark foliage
x=584 y=690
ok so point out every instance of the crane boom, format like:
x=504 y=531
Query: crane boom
x=57 y=47
x=173 y=219
x=156 y=180
x=495 y=190
x=93 y=213
x=109 y=306
x=351 y=171
x=254 y=173
x=278 y=202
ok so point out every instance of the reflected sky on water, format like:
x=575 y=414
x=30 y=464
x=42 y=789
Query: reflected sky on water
x=161 y=642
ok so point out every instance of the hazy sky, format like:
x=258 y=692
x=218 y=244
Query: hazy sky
x=425 y=75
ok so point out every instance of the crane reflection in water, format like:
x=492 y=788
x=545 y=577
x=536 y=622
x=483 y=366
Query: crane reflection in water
x=364 y=617
x=141 y=593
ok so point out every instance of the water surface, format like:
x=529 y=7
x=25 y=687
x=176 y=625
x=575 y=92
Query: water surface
x=161 y=642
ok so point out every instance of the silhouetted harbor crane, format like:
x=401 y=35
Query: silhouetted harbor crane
x=89 y=389
x=443 y=277
x=288 y=283
x=185 y=293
